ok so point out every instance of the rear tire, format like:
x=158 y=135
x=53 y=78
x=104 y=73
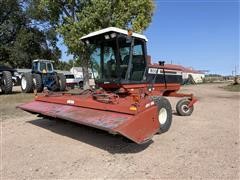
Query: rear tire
x=6 y=84
x=164 y=113
x=183 y=109
x=37 y=82
x=61 y=82
x=54 y=84
x=27 y=83
x=54 y=87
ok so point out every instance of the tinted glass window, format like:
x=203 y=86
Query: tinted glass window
x=96 y=62
x=115 y=63
x=138 y=62
x=43 y=66
x=109 y=62
x=35 y=66
x=138 y=49
x=49 y=67
x=69 y=76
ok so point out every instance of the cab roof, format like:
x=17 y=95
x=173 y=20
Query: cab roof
x=113 y=30
x=42 y=60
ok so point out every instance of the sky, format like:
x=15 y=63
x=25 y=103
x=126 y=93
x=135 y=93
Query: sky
x=200 y=34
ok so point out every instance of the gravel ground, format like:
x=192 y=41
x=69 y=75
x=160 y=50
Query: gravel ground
x=202 y=146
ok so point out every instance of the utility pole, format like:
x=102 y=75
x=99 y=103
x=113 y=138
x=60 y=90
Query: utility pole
x=235 y=70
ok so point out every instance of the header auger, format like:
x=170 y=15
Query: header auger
x=130 y=99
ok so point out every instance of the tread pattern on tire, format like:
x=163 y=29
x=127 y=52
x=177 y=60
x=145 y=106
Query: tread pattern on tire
x=38 y=86
x=8 y=85
x=179 y=105
x=54 y=86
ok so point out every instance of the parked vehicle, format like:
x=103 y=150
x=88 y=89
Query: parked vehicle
x=42 y=75
x=71 y=81
x=78 y=73
x=8 y=77
x=131 y=100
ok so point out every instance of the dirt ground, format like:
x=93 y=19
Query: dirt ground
x=204 y=145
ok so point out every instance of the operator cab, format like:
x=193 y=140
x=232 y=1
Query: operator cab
x=42 y=66
x=119 y=56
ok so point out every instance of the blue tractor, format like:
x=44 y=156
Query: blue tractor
x=42 y=76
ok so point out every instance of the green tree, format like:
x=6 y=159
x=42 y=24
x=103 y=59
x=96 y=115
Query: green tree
x=20 y=40
x=75 y=18
x=63 y=65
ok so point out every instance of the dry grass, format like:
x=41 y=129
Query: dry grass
x=233 y=87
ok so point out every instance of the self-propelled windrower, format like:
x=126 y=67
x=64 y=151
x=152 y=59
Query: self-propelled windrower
x=130 y=100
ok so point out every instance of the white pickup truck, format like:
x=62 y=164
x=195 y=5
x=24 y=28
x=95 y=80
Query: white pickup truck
x=71 y=81
x=77 y=72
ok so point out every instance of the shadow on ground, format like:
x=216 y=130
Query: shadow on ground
x=175 y=114
x=12 y=93
x=95 y=137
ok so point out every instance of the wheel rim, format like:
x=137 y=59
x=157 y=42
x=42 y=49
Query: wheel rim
x=185 y=108
x=23 y=83
x=162 y=116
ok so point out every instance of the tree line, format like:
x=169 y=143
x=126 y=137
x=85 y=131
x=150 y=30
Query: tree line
x=30 y=29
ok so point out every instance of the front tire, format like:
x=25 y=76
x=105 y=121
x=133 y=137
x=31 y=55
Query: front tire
x=164 y=113
x=6 y=84
x=27 y=83
x=183 y=109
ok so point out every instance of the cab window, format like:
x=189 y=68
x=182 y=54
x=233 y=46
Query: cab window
x=43 y=66
x=49 y=67
x=35 y=66
x=138 y=62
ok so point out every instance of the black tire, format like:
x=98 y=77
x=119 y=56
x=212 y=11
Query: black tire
x=183 y=109
x=37 y=82
x=27 y=83
x=72 y=86
x=61 y=82
x=6 y=82
x=81 y=84
x=164 y=113
x=54 y=84
x=54 y=87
